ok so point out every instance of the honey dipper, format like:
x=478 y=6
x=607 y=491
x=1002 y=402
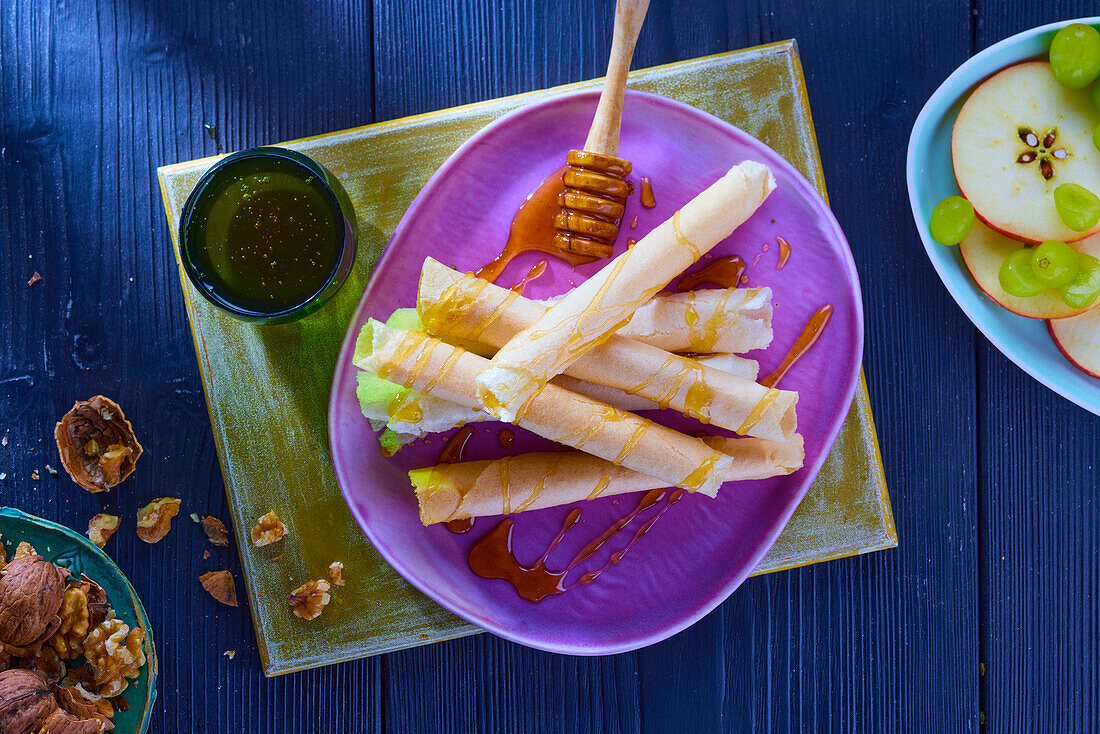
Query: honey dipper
x=595 y=182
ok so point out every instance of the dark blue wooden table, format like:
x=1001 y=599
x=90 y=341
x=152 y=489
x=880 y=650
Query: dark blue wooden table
x=987 y=610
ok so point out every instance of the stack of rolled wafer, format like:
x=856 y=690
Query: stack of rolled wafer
x=579 y=370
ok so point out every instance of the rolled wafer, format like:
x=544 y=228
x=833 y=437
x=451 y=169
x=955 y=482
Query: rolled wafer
x=461 y=306
x=605 y=302
x=729 y=320
x=408 y=414
x=423 y=363
x=533 y=481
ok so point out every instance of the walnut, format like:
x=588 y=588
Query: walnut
x=25 y=701
x=28 y=705
x=47 y=663
x=215 y=531
x=155 y=519
x=76 y=621
x=97 y=444
x=309 y=599
x=101 y=528
x=116 y=653
x=23 y=550
x=30 y=597
x=268 y=530
x=221 y=586
x=336 y=573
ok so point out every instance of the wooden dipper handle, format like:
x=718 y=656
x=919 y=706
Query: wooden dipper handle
x=603 y=136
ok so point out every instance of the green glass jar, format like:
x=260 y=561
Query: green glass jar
x=267 y=235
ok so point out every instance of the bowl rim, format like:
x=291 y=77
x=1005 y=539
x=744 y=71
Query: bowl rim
x=959 y=83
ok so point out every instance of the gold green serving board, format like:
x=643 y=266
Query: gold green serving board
x=267 y=388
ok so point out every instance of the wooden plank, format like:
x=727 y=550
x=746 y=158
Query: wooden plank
x=93 y=96
x=1039 y=525
x=888 y=641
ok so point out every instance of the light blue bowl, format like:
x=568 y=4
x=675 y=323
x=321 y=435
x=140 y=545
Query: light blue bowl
x=929 y=176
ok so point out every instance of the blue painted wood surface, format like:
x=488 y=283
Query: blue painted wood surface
x=992 y=476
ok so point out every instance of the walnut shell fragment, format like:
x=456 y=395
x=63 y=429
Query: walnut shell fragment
x=309 y=599
x=31 y=591
x=97 y=444
x=215 y=531
x=268 y=530
x=155 y=519
x=221 y=586
x=101 y=528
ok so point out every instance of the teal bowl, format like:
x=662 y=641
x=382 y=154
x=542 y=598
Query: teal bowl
x=65 y=547
x=929 y=176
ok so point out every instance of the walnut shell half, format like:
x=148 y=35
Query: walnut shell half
x=97 y=444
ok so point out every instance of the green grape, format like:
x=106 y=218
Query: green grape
x=1096 y=137
x=1086 y=286
x=1016 y=276
x=1094 y=92
x=1054 y=264
x=951 y=220
x=1075 y=56
x=1078 y=207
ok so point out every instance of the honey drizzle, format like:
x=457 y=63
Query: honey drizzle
x=725 y=272
x=533 y=229
x=405 y=408
x=533 y=274
x=630 y=444
x=690 y=246
x=694 y=481
x=758 y=411
x=506 y=500
x=784 y=253
x=495 y=314
x=601 y=485
x=809 y=336
x=492 y=556
x=444 y=368
x=409 y=342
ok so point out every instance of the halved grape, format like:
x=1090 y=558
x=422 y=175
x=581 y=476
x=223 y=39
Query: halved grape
x=1016 y=276
x=1078 y=207
x=1054 y=264
x=1086 y=286
x=951 y=220
x=1075 y=55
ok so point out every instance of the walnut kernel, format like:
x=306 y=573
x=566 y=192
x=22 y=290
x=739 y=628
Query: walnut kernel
x=215 y=531
x=116 y=654
x=68 y=641
x=221 y=586
x=309 y=599
x=101 y=528
x=268 y=530
x=97 y=444
x=155 y=519
x=23 y=550
x=336 y=573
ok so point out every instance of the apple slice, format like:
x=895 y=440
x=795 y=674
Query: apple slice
x=983 y=251
x=1018 y=137
x=1078 y=338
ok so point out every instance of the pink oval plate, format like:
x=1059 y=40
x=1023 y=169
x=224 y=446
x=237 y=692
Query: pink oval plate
x=702 y=548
